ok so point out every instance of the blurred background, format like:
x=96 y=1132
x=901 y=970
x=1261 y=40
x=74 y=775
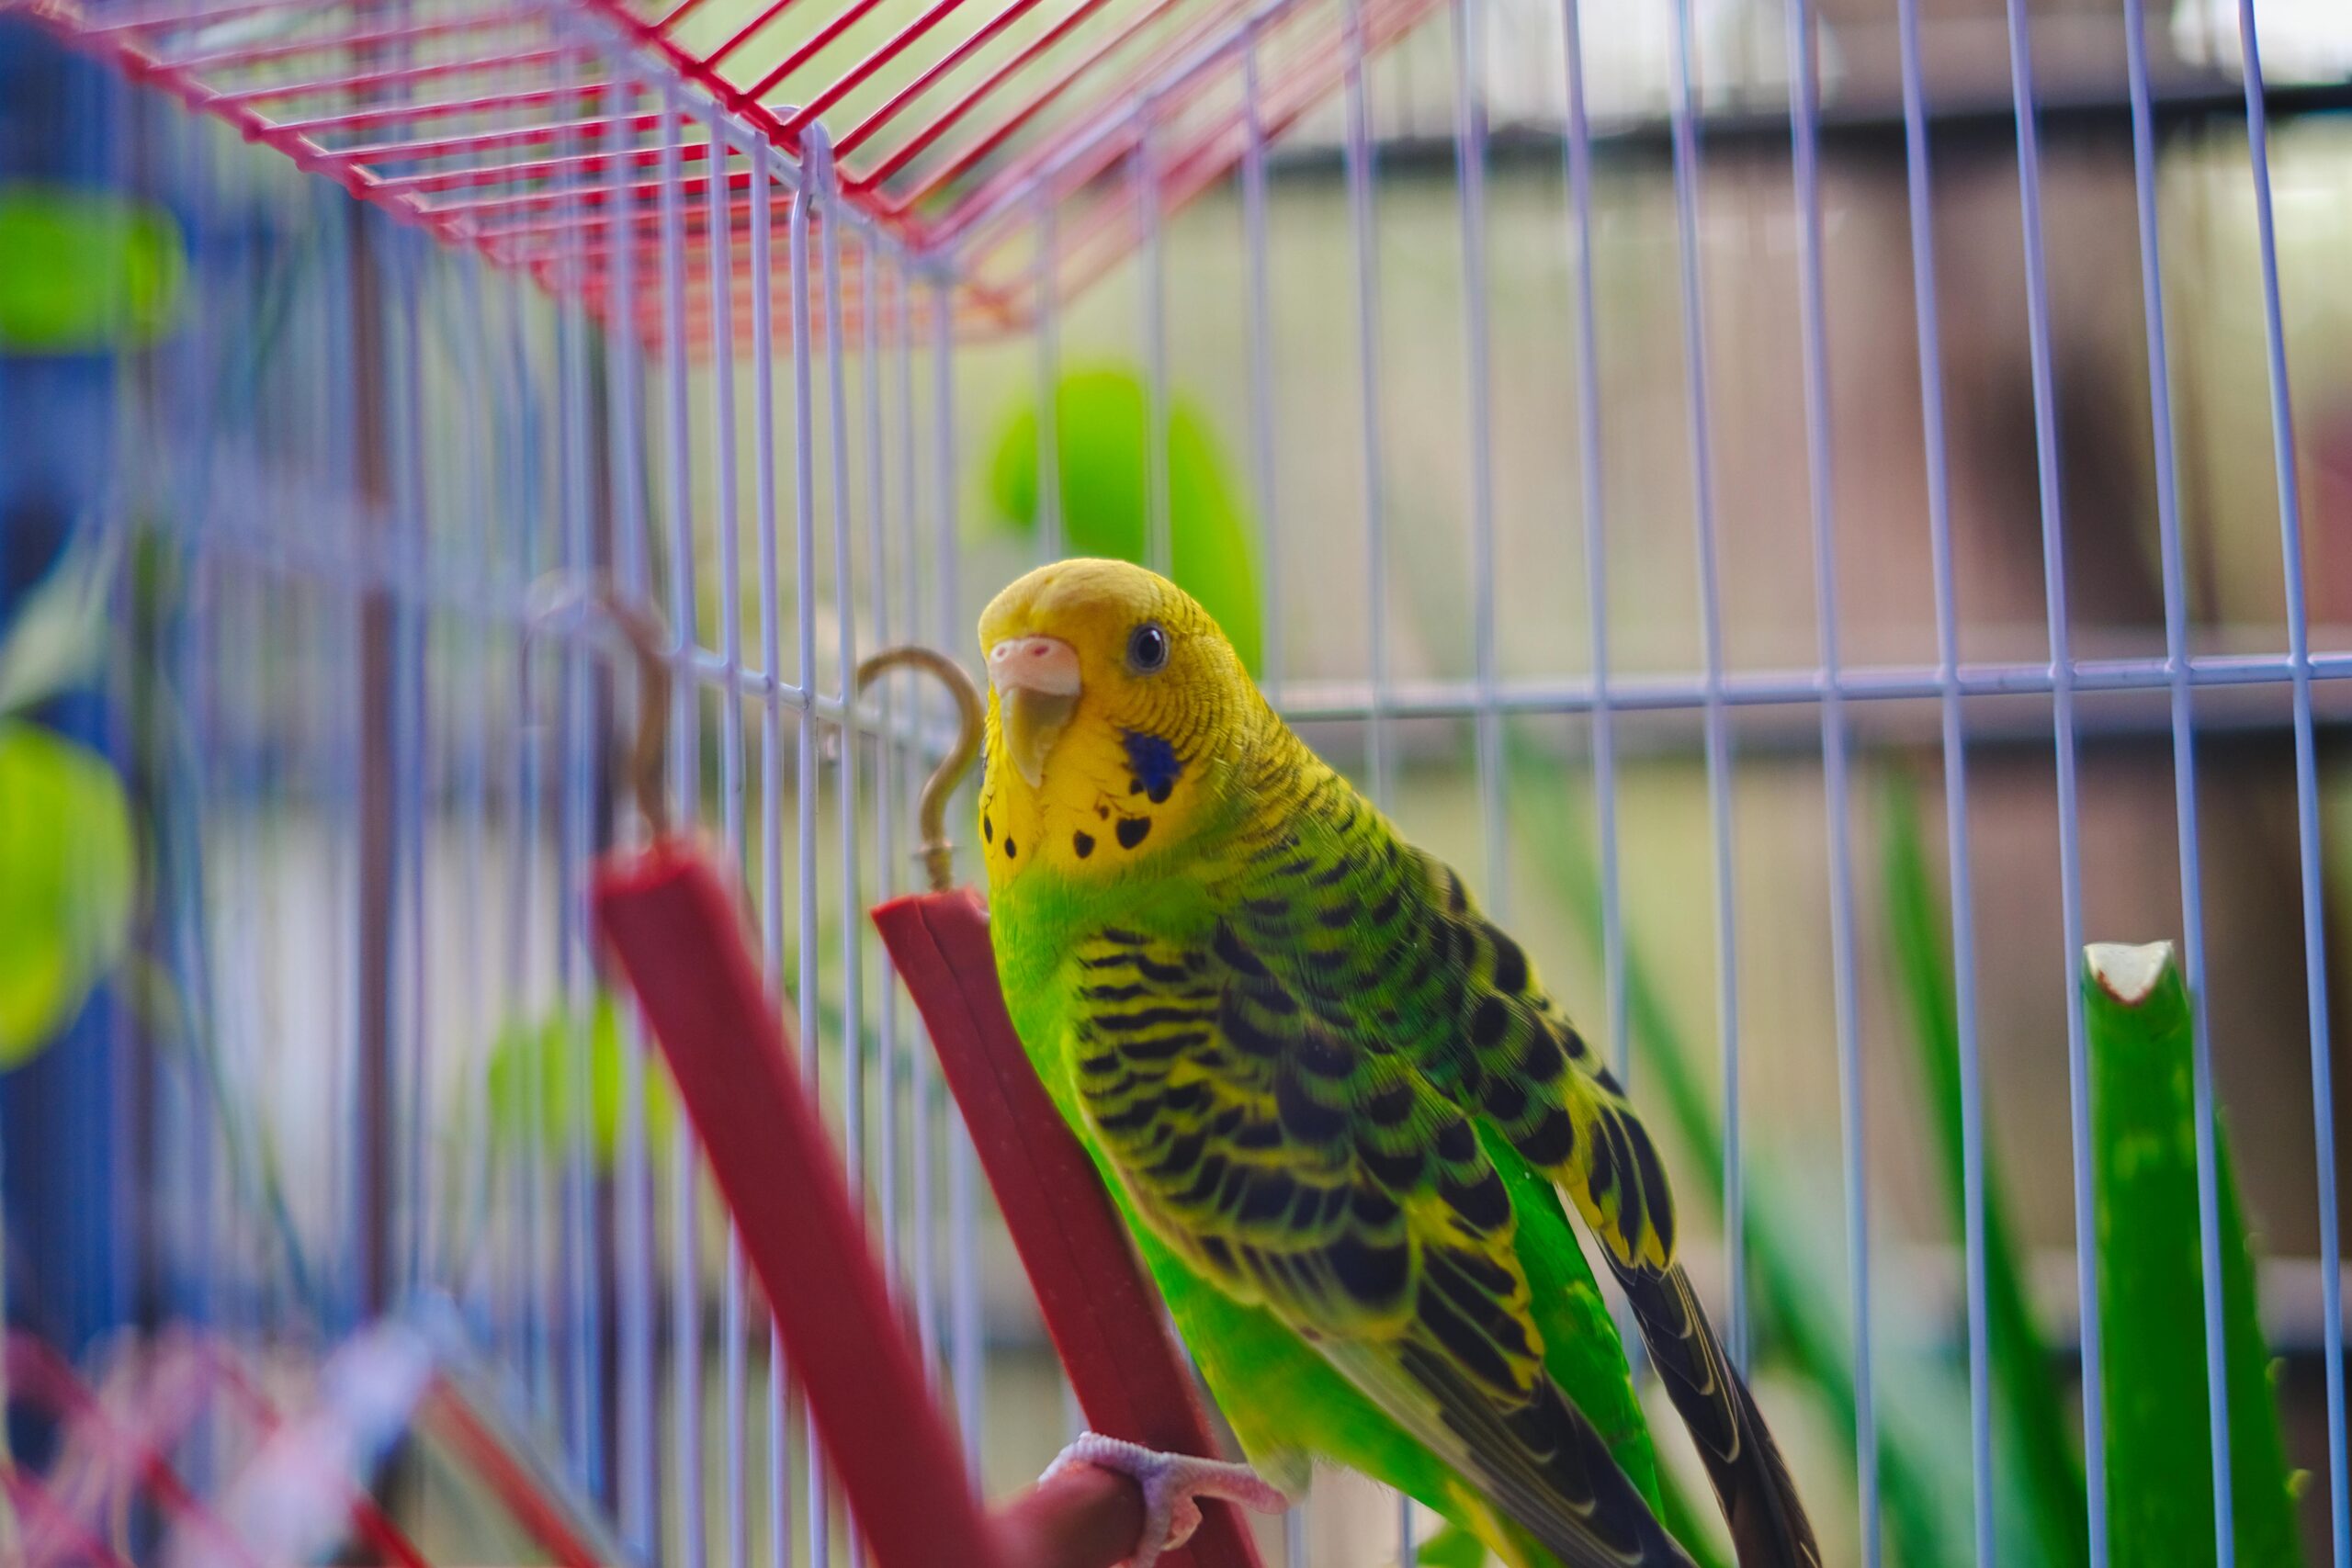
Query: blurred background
x=297 y=1021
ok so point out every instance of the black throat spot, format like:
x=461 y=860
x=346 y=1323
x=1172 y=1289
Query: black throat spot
x=1153 y=763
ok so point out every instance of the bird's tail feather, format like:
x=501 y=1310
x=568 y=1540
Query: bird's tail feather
x=1767 y=1522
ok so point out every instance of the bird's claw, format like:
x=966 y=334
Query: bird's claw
x=1172 y=1485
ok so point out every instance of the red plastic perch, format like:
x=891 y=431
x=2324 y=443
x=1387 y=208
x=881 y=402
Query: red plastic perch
x=676 y=930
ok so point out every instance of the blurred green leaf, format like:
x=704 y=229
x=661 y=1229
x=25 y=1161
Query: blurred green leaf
x=57 y=637
x=1450 y=1547
x=2035 y=1429
x=67 y=864
x=2151 y=1295
x=1100 y=422
x=87 y=270
x=536 y=1067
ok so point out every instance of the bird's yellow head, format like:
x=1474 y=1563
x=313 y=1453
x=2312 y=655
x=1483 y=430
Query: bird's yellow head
x=1117 y=714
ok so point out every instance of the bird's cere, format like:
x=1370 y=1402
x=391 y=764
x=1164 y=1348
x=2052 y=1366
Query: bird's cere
x=1036 y=681
x=1043 y=664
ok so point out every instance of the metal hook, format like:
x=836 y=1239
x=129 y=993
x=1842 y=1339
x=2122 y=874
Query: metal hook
x=645 y=638
x=938 y=854
x=643 y=631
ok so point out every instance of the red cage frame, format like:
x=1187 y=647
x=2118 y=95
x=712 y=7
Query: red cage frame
x=519 y=127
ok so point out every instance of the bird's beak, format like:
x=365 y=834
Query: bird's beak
x=1037 y=681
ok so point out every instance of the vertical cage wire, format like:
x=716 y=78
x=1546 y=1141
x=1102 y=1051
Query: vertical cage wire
x=1813 y=307
x=685 y=785
x=2184 y=756
x=637 y=1412
x=585 y=694
x=2307 y=830
x=1470 y=166
x=889 y=876
x=925 y=1087
x=1684 y=131
x=1159 y=547
x=1593 y=529
x=2062 y=702
x=1363 y=235
x=1927 y=333
x=1263 y=444
x=770 y=632
x=733 y=1330
x=963 y=1172
x=804 y=538
x=817 y=161
x=1048 y=503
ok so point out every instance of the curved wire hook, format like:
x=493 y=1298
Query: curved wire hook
x=645 y=640
x=938 y=852
x=643 y=632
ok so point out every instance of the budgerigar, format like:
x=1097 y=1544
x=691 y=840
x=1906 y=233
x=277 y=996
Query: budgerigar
x=1332 y=1099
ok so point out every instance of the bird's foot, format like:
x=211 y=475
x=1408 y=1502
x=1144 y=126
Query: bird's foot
x=1171 y=1487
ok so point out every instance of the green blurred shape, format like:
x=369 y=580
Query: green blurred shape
x=67 y=868
x=535 y=1071
x=85 y=271
x=2151 y=1287
x=1450 y=1547
x=1100 y=425
x=2036 y=1431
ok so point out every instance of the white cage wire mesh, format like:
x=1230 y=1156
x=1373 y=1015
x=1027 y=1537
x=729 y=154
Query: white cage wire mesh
x=1598 y=383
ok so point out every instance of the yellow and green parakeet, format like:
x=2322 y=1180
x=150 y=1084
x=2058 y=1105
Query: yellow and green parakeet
x=1333 y=1100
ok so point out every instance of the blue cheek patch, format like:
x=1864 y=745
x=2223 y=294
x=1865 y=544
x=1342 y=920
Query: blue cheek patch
x=1154 y=763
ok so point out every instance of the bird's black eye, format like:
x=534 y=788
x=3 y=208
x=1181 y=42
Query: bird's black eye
x=1148 y=647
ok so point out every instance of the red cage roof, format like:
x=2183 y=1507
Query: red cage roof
x=575 y=138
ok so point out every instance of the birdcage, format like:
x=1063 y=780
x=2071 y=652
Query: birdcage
x=1667 y=455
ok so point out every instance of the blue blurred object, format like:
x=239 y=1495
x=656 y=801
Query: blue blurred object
x=71 y=1239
